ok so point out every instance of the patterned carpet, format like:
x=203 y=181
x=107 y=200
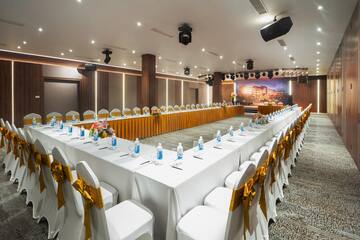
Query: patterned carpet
x=321 y=202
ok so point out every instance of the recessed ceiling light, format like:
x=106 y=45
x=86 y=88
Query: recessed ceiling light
x=18 y=47
x=317 y=64
x=320 y=7
x=180 y=63
x=296 y=66
x=70 y=50
x=62 y=54
x=98 y=60
x=318 y=52
x=195 y=66
x=203 y=49
x=234 y=62
x=162 y=70
x=317 y=68
x=319 y=29
x=177 y=73
x=133 y=51
x=208 y=69
x=134 y=62
x=159 y=57
x=285 y=48
x=294 y=62
x=24 y=42
x=139 y=24
x=92 y=41
x=318 y=43
x=191 y=74
x=290 y=55
x=124 y=64
x=244 y=66
x=156 y=66
x=318 y=60
x=221 y=57
x=79 y=1
x=40 y=29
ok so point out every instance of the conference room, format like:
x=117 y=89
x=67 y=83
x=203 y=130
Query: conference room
x=179 y=120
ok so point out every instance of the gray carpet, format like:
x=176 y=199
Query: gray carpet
x=321 y=202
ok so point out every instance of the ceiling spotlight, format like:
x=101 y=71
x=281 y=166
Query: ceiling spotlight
x=186 y=71
x=318 y=52
x=133 y=51
x=233 y=62
x=297 y=66
x=285 y=48
x=320 y=7
x=62 y=54
x=195 y=67
x=79 y=1
x=40 y=29
x=162 y=70
x=180 y=63
x=124 y=64
x=244 y=66
x=70 y=50
x=317 y=64
x=92 y=41
x=294 y=62
x=318 y=60
x=290 y=55
x=159 y=57
x=318 y=43
x=24 y=42
x=208 y=69
x=319 y=29
x=107 y=52
x=134 y=62
x=203 y=49
x=221 y=57
x=18 y=47
x=139 y=24
x=317 y=69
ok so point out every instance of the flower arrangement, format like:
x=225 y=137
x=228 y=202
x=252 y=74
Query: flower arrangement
x=103 y=129
x=260 y=119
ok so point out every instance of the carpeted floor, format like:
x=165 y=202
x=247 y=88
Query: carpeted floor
x=321 y=202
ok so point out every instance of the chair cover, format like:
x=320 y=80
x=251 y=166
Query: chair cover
x=89 y=115
x=72 y=115
x=103 y=113
x=27 y=120
x=146 y=110
x=137 y=111
x=115 y=112
x=58 y=116
x=127 y=112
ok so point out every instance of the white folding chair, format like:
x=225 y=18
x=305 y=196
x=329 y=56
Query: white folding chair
x=224 y=219
x=58 y=116
x=128 y=220
x=72 y=116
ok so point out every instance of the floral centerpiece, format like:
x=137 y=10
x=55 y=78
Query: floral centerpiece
x=260 y=119
x=102 y=128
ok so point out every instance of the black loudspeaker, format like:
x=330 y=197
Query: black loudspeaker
x=276 y=29
x=89 y=67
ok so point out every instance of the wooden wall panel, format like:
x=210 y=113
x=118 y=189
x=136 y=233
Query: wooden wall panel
x=103 y=90
x=304 y=94
x=226 y=90
x=344 y=87
x=5 y=90
x=87 y=91
x=28 y=90
x=217 y=87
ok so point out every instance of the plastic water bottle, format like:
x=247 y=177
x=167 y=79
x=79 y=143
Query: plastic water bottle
x=137 y=147
x=82 y=132
x=34 y=122
x=159 y=152
x=52 y=122
x=231 y=131
x=96 y=136
x=218 y=137
x=180 y=151
x=61 y=125
x=70 y=130
x=73 y=118
x=113 y=141
x=201 y=143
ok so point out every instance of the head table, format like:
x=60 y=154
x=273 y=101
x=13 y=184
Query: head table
x=170 y=187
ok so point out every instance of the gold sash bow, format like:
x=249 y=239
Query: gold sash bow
x=244 y=195
x=260 y=179
x=42 y=160
x=92 y=197
x=60 y=173
x=9 y=137
x=32 y=153
x=3 y=132
x=272 y=163
x=23 y=146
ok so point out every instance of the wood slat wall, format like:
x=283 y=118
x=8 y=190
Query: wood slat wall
x=343 y=88
x=5 y=90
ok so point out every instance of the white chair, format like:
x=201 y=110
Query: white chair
x=103 y=113
x=163 y=109
x=58 y=116
x=182 y=107
x=127 y=112
x=89 y=115
x=10 y=158
x=2 y=140
x=146 y=110
x=128 y=220
x=193 y=106
x=197 y=106
x=72 y=116
x=188 y=107
x=115 y=112
x=176 y=108
x=136 y=111
x=225 y=222
x=21 y=163
x=28 y=119
x=170 y=108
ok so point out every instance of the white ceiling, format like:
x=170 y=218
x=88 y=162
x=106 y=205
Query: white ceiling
x=226 y=27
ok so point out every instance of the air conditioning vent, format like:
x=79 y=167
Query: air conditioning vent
x=282 y=42
x=259 y=6
x=213 y=53
x=155 y=30
x=10 y=22
x=115 y=47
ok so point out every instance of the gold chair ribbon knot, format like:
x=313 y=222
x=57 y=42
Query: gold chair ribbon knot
x=60 y=173
x=42 y=160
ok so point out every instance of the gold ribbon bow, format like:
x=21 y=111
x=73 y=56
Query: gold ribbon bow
x=260 y=179
x=23 y=145
x=60 y=173
x=3 y=132
x=32 y=153
x=42 y=160
x=272 y=163
x=9 y=137
x=244 y=195
x=92 y=197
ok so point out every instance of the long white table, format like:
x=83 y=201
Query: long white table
x=167 y=191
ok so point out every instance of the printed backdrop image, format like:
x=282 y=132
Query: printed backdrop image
x=263 y=91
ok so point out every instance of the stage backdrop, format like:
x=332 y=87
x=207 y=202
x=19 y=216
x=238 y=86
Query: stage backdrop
x=257 y=92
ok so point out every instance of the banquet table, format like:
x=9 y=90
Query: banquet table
x=170 y=187
x=143 y=126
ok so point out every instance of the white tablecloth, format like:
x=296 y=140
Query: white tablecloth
x=170 y=193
